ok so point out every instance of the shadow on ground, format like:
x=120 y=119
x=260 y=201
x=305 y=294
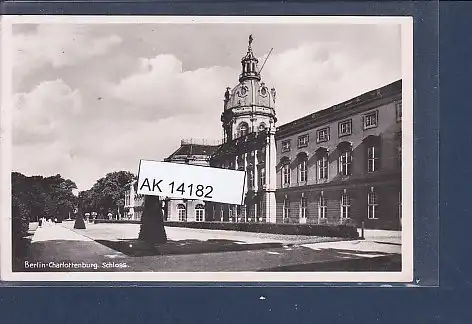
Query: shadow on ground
x=346 y=260
x=136 y=248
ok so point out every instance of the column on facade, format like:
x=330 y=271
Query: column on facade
x=255 y=171
x=256 y=179
x=271 y=176
x=131 y=200
x=244 y=209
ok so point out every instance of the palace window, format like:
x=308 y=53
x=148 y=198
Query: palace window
x=322 y=207
x=303 y=140
x=243 y=129
x=286 y=209
x=260 y=211
x=345 y=205
x=251 y=177
x=344 y=162
x=322 y=135
x=399 y=149
x=199 y=213
x=303 y=207
x=302 y=170
x=398 y=111
x=373 y=158
x=286 y=146
x=372 y=204
x=345 y=128
x=182 y=211
x=230 y=212
x=370 y=120
x=286 y=173
x=262 y=180
x=322 y=166
x=400 y=206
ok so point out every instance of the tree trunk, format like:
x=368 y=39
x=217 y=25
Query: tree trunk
x=152 y=222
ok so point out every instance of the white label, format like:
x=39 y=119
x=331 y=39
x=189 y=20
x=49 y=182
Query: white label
x=175 y=180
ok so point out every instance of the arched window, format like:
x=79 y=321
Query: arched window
x=286 y=173
x=286 y=210
x=303 y=209
x=251 y=177
x=262 y=127
x=372 y=158
x=199 y=213
x=345 y=158
x=322 y=207
x=182 y=211
x=372 y=144
x=243 y=129
x=322 y=163
x=302 y=167
x=399 y=149
x=345 y=205
x=262 y=179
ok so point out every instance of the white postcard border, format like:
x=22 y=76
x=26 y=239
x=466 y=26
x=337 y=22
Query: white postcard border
x=406 y=275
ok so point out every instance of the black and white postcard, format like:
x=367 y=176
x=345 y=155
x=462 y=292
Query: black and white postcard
x=178 y=148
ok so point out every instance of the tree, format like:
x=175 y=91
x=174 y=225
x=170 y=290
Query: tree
x=36 y=197
x=107 y=194
x=152 y=229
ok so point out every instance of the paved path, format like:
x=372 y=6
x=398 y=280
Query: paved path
x=244 y=251
x=55 y=243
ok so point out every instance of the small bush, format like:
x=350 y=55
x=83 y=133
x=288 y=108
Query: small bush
x=79 y=222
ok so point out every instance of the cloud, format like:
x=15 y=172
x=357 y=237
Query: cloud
x=58 y=46
x=315 y=76
x=160 y=88
x=42 y=114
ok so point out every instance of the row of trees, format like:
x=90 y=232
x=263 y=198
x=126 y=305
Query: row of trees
x=37 y=196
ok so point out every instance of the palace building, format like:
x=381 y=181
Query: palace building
x=196 y=152
x=340 y=165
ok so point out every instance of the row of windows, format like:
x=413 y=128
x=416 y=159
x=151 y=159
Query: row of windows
x=369 y=120
x=199 y=212
x=243 y=128
x=261 y=177
x=322 y=163
x=344 y=203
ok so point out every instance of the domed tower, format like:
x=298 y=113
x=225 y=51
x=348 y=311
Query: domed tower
x=250 y=106
x=248 y=121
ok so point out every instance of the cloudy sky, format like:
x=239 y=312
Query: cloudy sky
x=91 y=99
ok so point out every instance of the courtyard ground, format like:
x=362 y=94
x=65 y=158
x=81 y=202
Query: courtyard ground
x=210 y=250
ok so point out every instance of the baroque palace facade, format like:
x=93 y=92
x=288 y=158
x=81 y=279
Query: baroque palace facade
x=340 y=165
